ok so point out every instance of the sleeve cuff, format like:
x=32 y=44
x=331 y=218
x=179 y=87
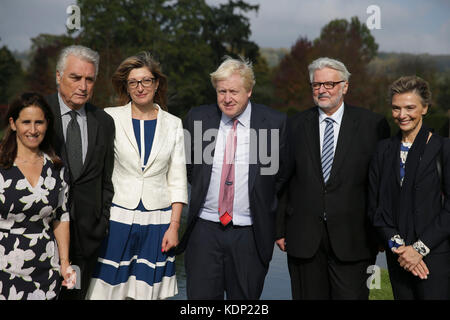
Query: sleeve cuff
x=421 y=248
x=395 y=242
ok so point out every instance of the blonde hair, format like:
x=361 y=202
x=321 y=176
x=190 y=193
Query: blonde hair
x=413 y=84
x=231 y=66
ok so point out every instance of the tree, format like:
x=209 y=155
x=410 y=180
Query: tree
x=291 y=78
x=11 y=72
x=41 y=75
x=352 y=43
x=349 y=42
x=188 y=37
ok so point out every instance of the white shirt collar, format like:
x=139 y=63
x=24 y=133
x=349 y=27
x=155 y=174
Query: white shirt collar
x=244 y=117
x=65 y=109
x=336 y=116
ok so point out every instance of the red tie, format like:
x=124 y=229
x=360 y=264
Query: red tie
x=226 y=194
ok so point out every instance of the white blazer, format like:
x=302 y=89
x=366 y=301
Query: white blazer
x=163 y=181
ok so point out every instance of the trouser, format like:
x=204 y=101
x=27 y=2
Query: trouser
x=406 y=286
x=325 y=277
x=222 y=259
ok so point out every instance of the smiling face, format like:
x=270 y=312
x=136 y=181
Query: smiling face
x=329 y=100
x=76 y=83
x=30 y=127
x=408 y=111
x=232 y=97
x=142 y=95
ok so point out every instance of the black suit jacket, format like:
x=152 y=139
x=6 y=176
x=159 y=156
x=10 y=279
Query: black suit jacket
x=262 y=189
x=430 y=218
x=343 y=197
x=91 y=193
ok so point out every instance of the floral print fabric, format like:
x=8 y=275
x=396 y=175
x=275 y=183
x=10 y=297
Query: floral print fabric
x=29 y=260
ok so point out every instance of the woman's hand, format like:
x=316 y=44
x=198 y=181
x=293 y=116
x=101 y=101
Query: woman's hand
x=69 y=275
x=408 y=258
x=421 y=270
x=170 y=239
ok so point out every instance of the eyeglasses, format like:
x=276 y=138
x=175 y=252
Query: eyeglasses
x=327 y=85
x=146 y=82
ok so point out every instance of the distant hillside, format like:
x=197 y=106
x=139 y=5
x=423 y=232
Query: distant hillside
x=273 y=56
x=440 y=62
x=384 y=62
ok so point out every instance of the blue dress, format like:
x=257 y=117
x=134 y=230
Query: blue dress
x=131 y=264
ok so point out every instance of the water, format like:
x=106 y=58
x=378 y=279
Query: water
x=277 y=285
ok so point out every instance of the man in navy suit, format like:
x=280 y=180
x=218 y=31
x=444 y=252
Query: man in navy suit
x=232 y=254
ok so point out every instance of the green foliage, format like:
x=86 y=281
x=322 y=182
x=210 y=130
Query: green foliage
x=188 y=37
x=348 y=41
x=11 y=75
x=41 y=75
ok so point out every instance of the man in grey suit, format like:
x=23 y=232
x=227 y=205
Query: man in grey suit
x=85 y=141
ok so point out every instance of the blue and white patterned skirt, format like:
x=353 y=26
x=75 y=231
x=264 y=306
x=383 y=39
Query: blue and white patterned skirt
x=131 y=264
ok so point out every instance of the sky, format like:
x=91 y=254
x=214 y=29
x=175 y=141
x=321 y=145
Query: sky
x=410 y=26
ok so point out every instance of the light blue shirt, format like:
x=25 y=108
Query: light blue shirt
x=82 y=122
x=241 y=202
x=337 y=120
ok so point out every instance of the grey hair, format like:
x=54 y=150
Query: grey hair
x=230 y=66
x=81 y=52
x=325 y=62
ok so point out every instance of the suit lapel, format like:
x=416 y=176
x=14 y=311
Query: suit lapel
x=347 y=131
x=59 y=142
x=311 y=128
x=211 y=121
x=158 y=139
x=92 y=128
x=257 y=120
x=432 y=148
x=126 y=121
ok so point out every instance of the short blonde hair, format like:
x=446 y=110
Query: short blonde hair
x=231 y=66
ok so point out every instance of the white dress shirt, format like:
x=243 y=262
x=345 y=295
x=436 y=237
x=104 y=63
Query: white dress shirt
x=337 y=120
x=241 y=202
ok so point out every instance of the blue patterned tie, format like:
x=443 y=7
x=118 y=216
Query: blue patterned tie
x=327 y=149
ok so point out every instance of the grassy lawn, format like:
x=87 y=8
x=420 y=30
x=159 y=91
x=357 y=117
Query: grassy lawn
x=385 y=291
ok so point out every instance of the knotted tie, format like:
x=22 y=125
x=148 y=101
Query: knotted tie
x=73 y=145
x=327 y=149
x=226 y=194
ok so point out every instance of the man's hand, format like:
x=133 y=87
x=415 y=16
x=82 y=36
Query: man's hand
x=281 y=243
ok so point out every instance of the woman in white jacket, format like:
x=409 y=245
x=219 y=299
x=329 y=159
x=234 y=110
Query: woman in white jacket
x=150 y=188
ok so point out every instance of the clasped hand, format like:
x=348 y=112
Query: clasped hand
x=411 y=261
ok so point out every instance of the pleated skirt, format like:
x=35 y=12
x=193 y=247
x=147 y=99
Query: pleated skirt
x=131 y=264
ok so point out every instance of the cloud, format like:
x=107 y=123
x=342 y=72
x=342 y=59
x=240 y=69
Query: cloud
x=407 y=25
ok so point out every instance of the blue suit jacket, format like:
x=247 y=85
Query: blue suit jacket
x=262 y=189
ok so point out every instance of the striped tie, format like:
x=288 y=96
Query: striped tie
x=327 y=149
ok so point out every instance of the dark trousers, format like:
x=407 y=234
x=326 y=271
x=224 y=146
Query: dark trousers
x=406 y=286
x=223 y=259
x=325 y=277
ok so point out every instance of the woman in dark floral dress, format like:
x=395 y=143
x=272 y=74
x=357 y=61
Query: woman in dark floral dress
x=34 y=220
